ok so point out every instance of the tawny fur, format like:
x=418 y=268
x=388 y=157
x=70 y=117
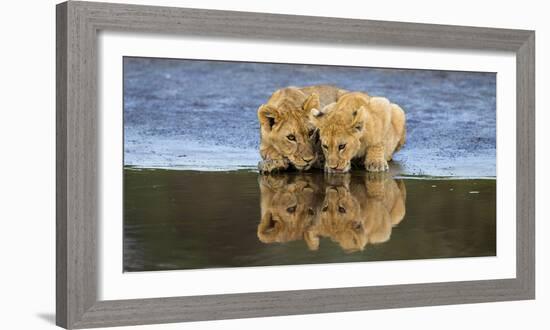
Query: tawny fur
x=352 y=212
x=359 y=212
x=360 y=127
x=287 y=207
x=285 y=116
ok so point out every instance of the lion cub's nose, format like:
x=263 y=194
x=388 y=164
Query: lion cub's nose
x=308 y=159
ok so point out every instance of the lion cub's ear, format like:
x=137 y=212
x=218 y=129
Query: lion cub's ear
x=316 y=115
x=312 y=102
x=340 y=93
x=359 y=117
x=268 y=116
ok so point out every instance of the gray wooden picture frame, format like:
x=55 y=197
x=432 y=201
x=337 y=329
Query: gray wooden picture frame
x=78 y=24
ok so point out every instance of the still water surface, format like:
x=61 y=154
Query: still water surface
x=177 y=219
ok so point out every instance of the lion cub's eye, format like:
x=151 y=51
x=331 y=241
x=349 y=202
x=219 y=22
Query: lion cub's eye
x=357 y=225
x=291 y=137
x=325 y=146
x=291 y=209
x=341 y=209
x=325 y=209
x=341 y=146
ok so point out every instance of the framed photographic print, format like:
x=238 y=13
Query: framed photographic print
x=215 y=164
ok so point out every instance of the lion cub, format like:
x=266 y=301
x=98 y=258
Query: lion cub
x=288 y=206
x=358 y=211
x=351 y=211
x=359 y=127
x=287 y=137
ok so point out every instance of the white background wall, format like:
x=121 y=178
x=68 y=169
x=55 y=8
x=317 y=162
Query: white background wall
x=27 y=162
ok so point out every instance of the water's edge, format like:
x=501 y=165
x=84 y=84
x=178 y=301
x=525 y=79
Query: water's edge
x=177 y=219
x=248 y=169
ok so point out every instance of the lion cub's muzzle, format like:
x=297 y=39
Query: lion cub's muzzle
x=337 y=168
x=304 y=163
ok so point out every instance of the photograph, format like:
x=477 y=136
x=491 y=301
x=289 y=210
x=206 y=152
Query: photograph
x=245 y=164
x=273 y=165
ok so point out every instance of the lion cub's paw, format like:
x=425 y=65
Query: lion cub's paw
x=272 y=165
x=376 y=184
x=376 y=177
x=376 y=165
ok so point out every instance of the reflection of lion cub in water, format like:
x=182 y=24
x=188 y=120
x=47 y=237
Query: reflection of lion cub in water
x=287 y=136
x=358 y=211
x=355 y=211
x=288 y=206
x=360 y=127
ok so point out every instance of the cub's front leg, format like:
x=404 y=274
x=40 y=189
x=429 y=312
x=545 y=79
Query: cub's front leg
x=272 y=161
x=376 y=184
x=375 y=161
x=273 y=165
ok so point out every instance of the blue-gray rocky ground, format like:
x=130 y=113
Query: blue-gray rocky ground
x=201 y=115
